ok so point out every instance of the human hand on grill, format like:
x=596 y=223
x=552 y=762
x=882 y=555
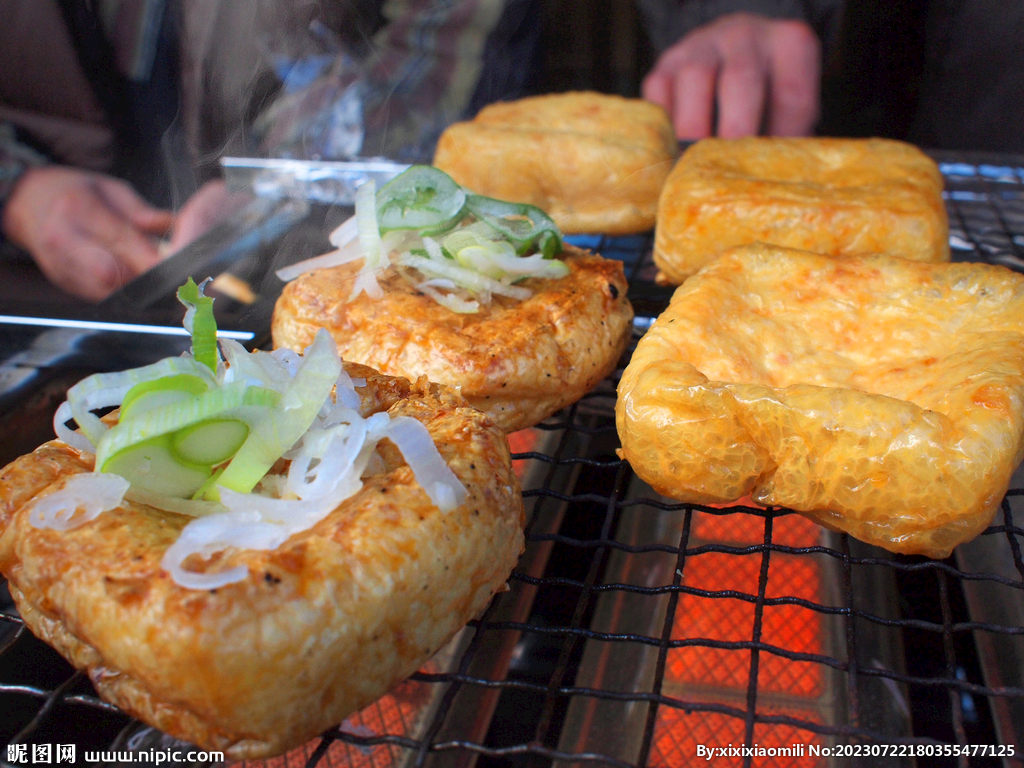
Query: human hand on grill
x=210 y=205
x=89 y=233
x=761 y=73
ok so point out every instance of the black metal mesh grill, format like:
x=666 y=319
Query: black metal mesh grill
x=575 y=664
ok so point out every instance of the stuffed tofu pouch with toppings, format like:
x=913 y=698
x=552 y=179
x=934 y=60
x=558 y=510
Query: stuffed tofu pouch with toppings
x=255 y=547
x=432 y=280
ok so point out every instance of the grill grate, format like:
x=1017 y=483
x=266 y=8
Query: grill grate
x=637 y=628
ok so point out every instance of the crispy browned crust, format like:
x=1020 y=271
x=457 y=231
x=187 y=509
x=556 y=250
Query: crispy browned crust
x=594 y=162
x=519 y=361
x=879 y=396
x=321 y=627
x=839 y=197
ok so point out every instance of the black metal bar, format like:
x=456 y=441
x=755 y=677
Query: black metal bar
x=755 y=652
x=956 y=705
x=596 y=565
x=49 y=705
x=853 y=699
x=666 y=635
x=1011 y=537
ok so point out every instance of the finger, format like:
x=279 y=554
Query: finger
x=693 y=99
x=127 y=202
x=657 y=88
x=78 y=265
x=207 y=207
x=742 y=87
x=97 y=275
x=131 y=248
x=795 y=83
x=196 y=215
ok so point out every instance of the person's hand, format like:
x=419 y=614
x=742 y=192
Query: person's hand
x=88 y=233
x=211 y=204
x=758 y=72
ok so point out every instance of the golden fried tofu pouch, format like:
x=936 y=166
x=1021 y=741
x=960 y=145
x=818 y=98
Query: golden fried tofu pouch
x=594 y=162
x=321 y=627
x=519 y=361
x=878 y=396
x=839 y=197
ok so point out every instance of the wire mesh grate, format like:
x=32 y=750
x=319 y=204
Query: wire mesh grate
x=637 y=629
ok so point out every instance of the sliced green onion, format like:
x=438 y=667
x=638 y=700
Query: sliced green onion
x=527 y=227
x=284 y=424
x=422 y=198
x=505 y=266
x=473 y=237
x=261 y=396
x=463 y=277
x=153 y=465
x=209 y=442
x=102 y=390
x=211 y=481
x=200 y=323
x=147 y=395
x=169 y=418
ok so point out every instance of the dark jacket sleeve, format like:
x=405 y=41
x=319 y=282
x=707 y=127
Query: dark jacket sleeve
x=15 y=158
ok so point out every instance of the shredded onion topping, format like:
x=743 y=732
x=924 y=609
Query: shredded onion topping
x=303 y=408
x=82 y=498
x=459 y=263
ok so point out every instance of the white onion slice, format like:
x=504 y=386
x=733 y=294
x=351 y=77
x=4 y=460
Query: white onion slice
x=449 y=300
x=345 y=391
x=289 y=358
x=463 y=277
x=82 y=498
x=346 y=254
x=369 y=240
x=260 y=522
x=345 y=233
x=417 y=447
x=202 y=536
x=76 y=440
x=434 y=250
x=250 y=522
x=335 y=450
x=366 y=282
x=103 y=390
x=190 y=507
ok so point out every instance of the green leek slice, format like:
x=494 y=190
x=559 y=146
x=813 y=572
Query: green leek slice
x=284 y=424
x=170 y=418
x=527 y=227
x=105 y=389
x=199 y=321
x=209 y=442
x=147 y=395
x=211 y=481
x=423 y=198
x=153 y=465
